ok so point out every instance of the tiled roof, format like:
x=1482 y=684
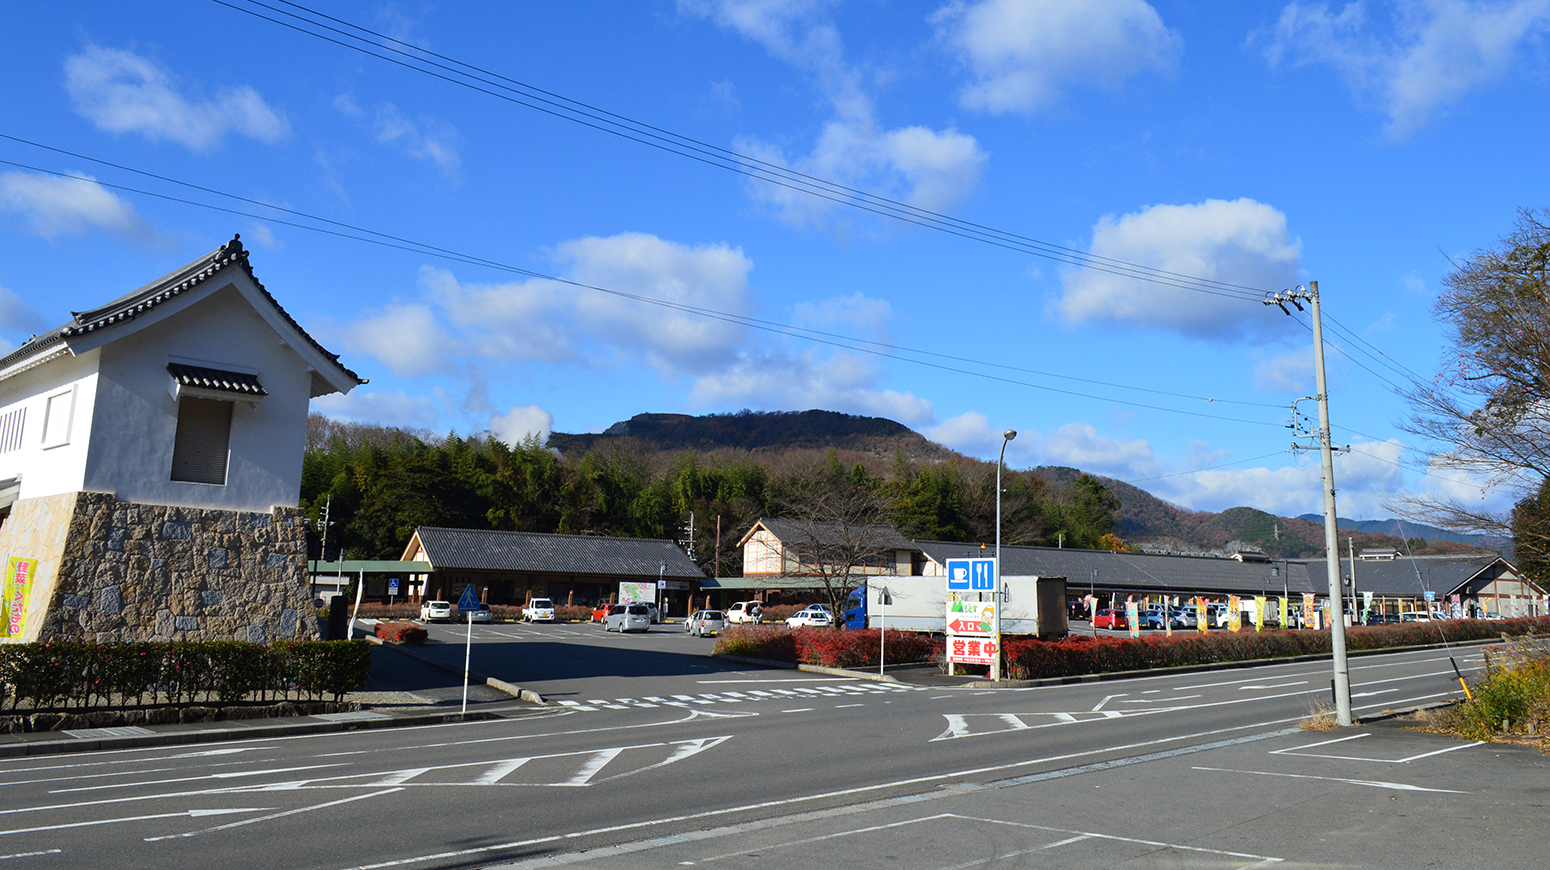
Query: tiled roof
x=216 y=379
x=532 y=552
x=882 y=537
x=167 y=287
x=1412 y=577
x=1183 y=575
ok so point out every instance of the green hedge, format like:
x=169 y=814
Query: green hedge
x=87 y=675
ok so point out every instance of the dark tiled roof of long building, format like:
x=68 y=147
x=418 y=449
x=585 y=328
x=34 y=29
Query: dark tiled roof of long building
x=533 y=552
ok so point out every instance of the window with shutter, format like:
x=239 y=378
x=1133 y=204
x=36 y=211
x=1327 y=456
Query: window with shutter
x=200 y=448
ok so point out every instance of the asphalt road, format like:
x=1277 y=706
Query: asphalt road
x=654 y=755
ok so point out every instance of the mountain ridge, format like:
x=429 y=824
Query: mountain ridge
x=1146 y=521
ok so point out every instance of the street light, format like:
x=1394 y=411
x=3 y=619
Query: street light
x=995 y=598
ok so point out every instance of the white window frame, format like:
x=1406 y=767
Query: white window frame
x=56 y=405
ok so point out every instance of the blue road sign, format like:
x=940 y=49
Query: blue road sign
x=971 y=575
x=470 y=599
x=392 y=585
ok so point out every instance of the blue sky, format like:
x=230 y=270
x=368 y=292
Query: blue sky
x=1261 y=145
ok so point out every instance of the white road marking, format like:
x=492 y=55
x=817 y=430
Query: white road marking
x=1276 y=686
x=843 y=706
x=32 y=854
x=230 y=775
x=94 y=822
x=280 y=815
x=1397 y=786
x=819 y=796
x=799 y=710
x=1298 y=750
x=596 y=763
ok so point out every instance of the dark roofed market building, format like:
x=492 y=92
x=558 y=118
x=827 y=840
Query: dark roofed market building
x=513 y=567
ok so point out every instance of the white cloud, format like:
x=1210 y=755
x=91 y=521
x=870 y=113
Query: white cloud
x=389 y=409
x=122 y=92
x=16 y=316
x=520 y=422
x=1080 y=445
x=929 y=169
x=1024 y=55
x=54 y=206
x=516 y=321
x=1289 y=372
x=840 y=382
x=855 y=314
x=551 y=322
x=425 y=138
x=1434 y=54
x=708 y=276
x=405 y=337
x=1239 y=242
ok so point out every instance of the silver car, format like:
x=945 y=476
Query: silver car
x=627 y=617
x=703 y=622
x=431 y=611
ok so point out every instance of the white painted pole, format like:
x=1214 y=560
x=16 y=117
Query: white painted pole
x=468 y=652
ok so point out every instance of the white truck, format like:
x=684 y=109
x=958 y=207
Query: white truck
x=539 y=610
x=1034 y=605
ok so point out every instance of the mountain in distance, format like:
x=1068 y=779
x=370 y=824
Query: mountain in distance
x=1401 y=529
x=1143 y=519
x=753 y=431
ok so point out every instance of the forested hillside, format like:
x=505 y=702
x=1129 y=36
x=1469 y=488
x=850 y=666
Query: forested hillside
x=643 y=477
x=382 y=483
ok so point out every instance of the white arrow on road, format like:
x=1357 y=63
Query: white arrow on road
x=185 y=814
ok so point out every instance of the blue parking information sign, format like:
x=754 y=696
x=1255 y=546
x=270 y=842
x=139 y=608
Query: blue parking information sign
x=971 y=575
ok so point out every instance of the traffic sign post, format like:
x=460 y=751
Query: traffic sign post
x=468 y=604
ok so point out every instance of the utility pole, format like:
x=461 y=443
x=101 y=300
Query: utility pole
x=1342 y=680
x=322 y=547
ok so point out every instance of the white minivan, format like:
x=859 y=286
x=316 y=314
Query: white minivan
x=743 y=611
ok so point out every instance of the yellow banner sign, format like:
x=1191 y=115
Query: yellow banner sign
x=14 y=595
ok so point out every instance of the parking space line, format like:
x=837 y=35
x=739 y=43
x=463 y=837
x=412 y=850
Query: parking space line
x=1371 y=783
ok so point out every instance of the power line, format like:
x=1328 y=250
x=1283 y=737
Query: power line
x=493 y=84
x=1207 y=468
x=471 y=259
x=878 y=349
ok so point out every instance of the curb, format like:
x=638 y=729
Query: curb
x=1210 y=666
x=812 y=669
x=511 y=689
x=281 y=728
x=1107 y=676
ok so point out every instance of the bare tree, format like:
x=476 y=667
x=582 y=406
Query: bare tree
x=835 y=530
x=1490 y=409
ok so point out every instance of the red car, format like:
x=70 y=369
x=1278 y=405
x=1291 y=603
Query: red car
x=599 y=612
x=1112 y=619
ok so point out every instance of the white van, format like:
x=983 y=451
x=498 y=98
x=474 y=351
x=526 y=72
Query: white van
x=743 y=611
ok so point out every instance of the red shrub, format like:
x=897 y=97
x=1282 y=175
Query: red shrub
x=1029 y=658
x=402 y=632
x=858 y=648
x=774 y=643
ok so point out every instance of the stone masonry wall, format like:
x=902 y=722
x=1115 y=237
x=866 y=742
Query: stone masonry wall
x=138 y=572
x=36 y=529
